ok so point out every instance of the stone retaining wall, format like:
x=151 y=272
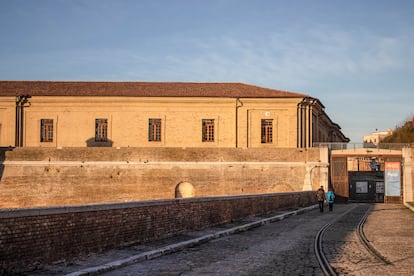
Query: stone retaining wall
x=72 y=176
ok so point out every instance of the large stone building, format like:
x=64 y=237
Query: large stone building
x=160 y=114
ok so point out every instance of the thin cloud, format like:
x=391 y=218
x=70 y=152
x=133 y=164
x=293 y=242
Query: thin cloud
x=283 y=59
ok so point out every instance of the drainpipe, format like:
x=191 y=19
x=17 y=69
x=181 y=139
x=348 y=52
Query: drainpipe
x=310 y=106
x=299 y=123
x=238 y=105
x=303 y=123
x=21 y=102
x=306 y=125
x=310 y=118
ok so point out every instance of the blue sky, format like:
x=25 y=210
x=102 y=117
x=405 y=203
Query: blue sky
x=356 y=56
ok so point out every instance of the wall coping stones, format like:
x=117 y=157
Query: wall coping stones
x=55 y=210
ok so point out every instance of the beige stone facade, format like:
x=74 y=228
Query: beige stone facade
x=7 y=121
x=90 y=114
x=75 y=176
x=93 y=142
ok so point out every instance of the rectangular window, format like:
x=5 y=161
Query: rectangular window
x=361 y=187
x=267 y=131
x=101 y=130
x=154 y=130
x=208 y=130
x=46 y=130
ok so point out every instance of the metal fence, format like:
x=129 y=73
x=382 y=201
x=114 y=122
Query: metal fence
x=347 y=146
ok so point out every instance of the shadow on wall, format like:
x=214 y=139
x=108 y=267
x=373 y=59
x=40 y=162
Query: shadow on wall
x=91 y=142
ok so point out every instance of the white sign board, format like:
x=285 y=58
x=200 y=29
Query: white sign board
x=361 y=187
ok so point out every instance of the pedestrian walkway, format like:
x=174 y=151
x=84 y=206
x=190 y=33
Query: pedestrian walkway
x=389 y=228
x=129 y=254
x=382 y=220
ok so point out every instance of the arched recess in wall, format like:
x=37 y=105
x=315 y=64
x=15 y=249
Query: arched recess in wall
x=184 y=190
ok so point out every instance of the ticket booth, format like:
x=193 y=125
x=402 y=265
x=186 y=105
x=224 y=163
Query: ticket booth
x=366 y=186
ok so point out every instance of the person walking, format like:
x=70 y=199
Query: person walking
x=320 y=196
x=330 y=199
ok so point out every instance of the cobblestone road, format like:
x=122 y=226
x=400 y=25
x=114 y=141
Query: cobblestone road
x=286 y=247
x=275 y=248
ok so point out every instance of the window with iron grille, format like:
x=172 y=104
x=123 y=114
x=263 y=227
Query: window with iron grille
x=267 y=131
x=208 y=130
x=101 y=130
x=154 y=130
x=46 y=130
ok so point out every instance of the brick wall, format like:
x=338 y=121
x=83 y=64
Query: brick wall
x=33 y=237
x=72 y=176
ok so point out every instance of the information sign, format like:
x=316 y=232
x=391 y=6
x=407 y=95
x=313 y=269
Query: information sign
x=392 y=178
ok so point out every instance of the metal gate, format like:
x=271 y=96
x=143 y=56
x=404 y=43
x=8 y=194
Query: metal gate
x=339 y=177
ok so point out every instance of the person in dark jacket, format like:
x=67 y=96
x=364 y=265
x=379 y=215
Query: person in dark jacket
x=330 y=198
x=320 y=196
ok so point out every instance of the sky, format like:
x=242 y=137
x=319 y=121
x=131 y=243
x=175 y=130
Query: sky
x=355 y=56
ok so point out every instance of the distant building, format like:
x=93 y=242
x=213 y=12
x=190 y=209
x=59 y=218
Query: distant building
x=159 y=114
x=376 y=137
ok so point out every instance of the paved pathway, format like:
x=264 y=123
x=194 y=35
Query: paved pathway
x=280 y=248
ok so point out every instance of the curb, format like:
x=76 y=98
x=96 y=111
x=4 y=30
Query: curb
x=185 y=244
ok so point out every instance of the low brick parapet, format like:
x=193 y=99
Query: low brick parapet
x=33 y=237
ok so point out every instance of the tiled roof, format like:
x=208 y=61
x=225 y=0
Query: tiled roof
x=141 y=89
